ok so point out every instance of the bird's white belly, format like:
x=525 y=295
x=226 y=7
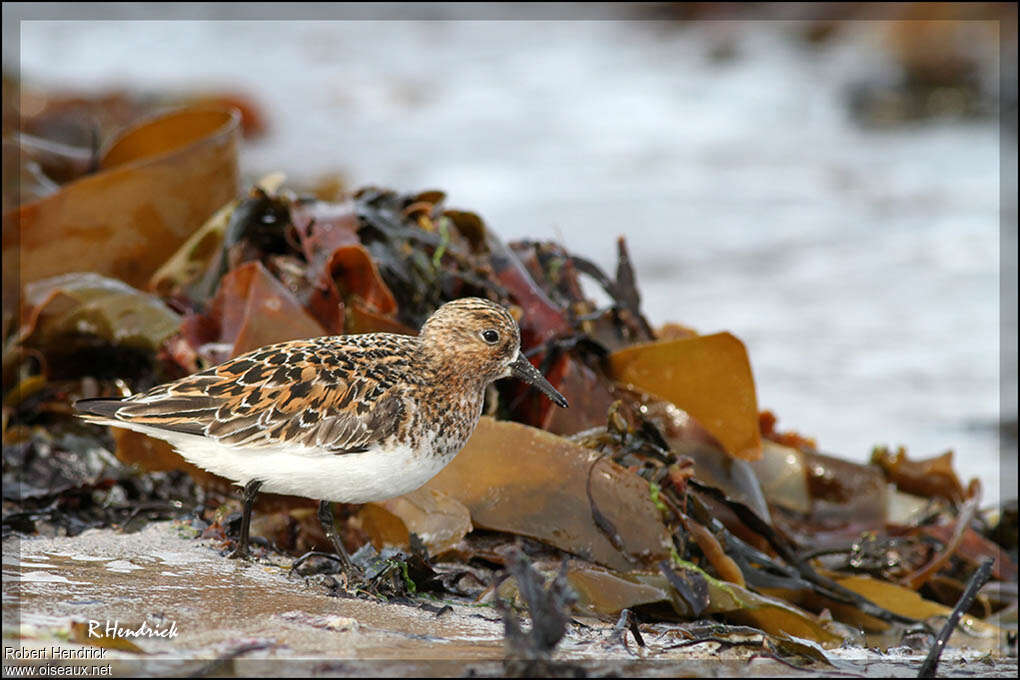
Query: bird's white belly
x=301 y=471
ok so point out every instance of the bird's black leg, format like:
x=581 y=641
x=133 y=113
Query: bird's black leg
x=329 y=528
x=251 y=491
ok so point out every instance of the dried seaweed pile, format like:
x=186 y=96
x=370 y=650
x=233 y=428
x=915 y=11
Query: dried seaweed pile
x=662 y=491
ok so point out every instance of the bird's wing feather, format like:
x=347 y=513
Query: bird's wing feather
x=343 y=397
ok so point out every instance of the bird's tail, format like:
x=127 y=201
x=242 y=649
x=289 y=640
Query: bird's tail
x=99 y=410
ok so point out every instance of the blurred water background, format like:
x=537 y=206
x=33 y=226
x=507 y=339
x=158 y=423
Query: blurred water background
x=856 y=255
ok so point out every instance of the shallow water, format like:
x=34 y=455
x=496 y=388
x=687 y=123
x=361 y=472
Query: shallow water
x=859 y=266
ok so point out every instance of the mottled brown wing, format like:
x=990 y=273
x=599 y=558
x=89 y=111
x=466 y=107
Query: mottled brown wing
x=341 y=397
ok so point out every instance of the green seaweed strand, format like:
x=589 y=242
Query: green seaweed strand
x=653 y=493
x=444 y=240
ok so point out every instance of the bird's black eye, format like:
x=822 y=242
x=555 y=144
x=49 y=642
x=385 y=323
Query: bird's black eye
x=490 y=336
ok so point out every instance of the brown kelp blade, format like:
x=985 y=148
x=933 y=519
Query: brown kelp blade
x=709 y=376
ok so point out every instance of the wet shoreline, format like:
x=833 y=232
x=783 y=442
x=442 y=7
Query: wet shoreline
x=231 y=618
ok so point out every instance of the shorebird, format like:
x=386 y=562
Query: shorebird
x=348 y=418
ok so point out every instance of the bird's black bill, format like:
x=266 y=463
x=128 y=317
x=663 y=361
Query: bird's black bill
x=523 y=369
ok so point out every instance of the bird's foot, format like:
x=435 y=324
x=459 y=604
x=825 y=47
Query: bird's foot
x=332 y=563
x=239 y=554
x=241 y=549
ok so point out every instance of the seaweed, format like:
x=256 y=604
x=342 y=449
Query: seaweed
x=663 y=494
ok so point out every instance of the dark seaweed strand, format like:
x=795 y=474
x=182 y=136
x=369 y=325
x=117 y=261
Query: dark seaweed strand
x=824 y=586
x=979 y=578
